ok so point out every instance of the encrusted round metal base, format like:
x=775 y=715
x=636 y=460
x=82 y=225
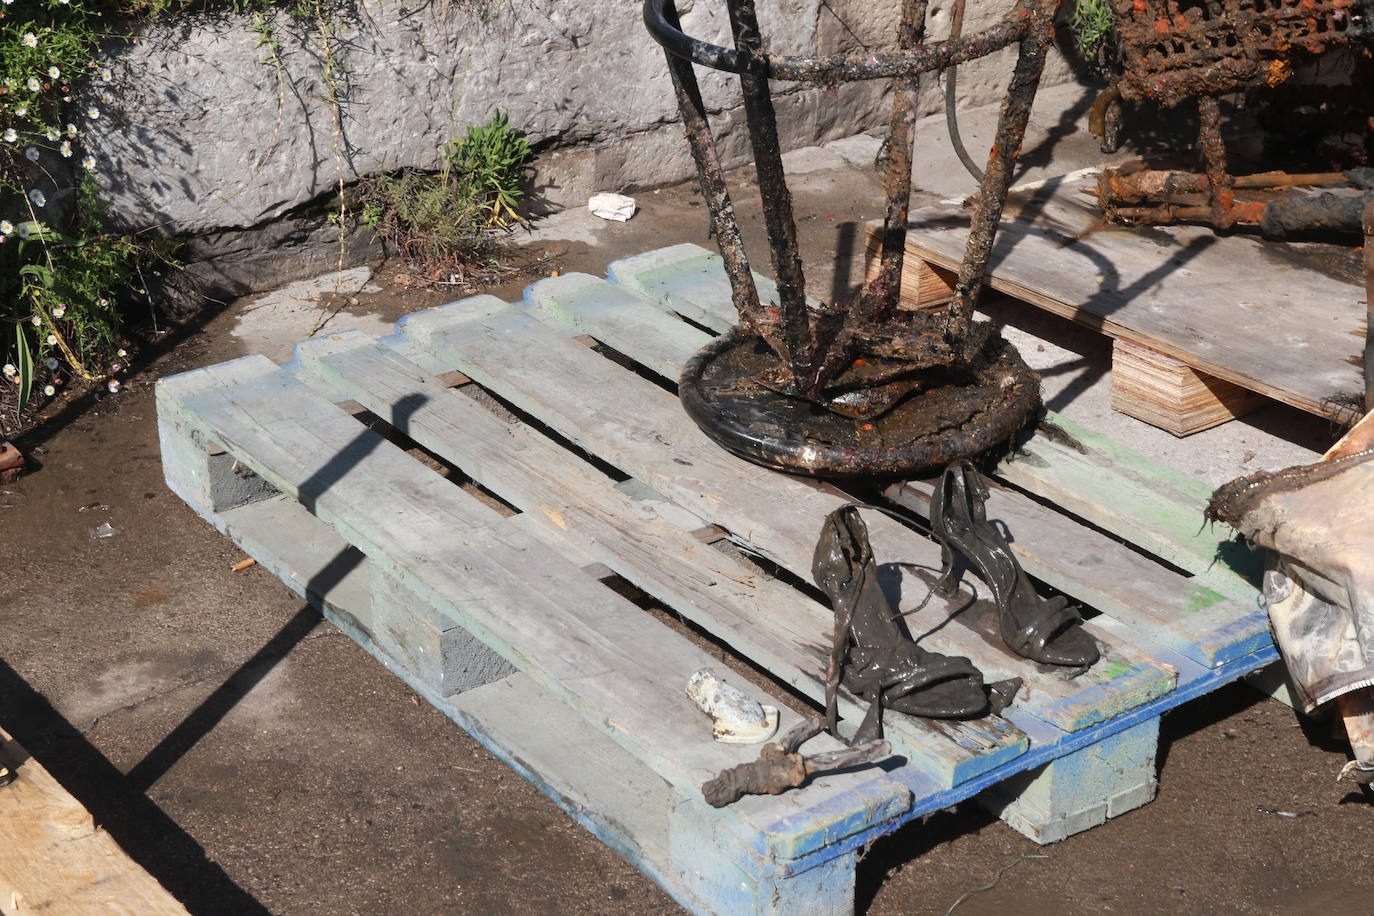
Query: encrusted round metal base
x=956 y=415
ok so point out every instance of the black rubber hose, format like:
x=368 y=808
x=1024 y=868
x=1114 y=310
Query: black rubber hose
x=956 y=28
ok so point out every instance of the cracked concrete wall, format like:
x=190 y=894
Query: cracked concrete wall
x=210 y=131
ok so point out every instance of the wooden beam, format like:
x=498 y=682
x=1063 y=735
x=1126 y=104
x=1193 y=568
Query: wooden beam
x=55 y=859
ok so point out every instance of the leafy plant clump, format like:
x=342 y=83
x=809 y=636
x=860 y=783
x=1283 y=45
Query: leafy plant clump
x=448 y=222
x=1094 y=28
x=58 y=271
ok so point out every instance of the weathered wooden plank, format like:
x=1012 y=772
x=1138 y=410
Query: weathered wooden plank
x=637 y=326
x=768 y=622
x=54 y=859
x=1070 y=705
x=572 y=635
x=1185 y=614
x=613 y=315
x=688 y=280
x=1230 y=307
x=1142 y=501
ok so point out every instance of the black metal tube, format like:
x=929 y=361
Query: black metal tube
x=843 y=68
x=774 y=195
x=956 y=31
x=723 y=223
x=1006 y=146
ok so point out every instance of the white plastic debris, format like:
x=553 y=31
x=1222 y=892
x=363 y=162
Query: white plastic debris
x=612 y=206
x=738 y=719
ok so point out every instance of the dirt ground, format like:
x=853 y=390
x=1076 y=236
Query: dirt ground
x=254 y=759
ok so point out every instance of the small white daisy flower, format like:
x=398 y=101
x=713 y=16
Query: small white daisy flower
x=6 y=227
x=71 y=130
x=106 y=98
x=54 y=73
x=10 y=371
x=35 y=320
x=37 y=197
x=10 y=82
x=49 y=390
x=105 y=74
x=51 y=134
x=116 y=367
x=121 y=352
x=31 y=154
x=113 y=385
x=65 y=149
x=52 y=340
x=25 y=232
x=88 y=163
x=92 y=112
x=33 y=84
x=21 y=110
x=104 y=302
x=11 y=135
x=59 y=310
x=50 y=363
x=30 y=40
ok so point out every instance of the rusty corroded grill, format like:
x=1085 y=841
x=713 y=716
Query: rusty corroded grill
x=1177 y=49
x=861 y=387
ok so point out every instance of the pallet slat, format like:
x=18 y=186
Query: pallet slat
x=452 y=549
x=1125 y=678
x=640 y=428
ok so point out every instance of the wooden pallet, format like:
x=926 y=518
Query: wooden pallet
x=1205 y=327
x=500 y=622
x=55 y=859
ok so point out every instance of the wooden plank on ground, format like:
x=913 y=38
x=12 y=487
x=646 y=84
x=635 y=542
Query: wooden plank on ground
x=1237 y=308
x=593 y=650
x=54 y=859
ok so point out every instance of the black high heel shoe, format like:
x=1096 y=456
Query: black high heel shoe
x=1047 y=630
x=873 y=656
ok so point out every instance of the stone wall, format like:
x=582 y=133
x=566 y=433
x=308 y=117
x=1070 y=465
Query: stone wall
x=207 y=132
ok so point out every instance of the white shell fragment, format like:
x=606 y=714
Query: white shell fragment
x=612 y=206
x=739 y=719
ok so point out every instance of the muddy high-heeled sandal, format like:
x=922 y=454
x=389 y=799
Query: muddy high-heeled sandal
x=872 y=655
x=1047 y=630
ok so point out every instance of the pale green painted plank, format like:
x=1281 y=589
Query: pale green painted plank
x=616 y=317
x=768 y=622
x=1125 y=678
x=566 y=631
x=1182 y=613
x=1142 y=501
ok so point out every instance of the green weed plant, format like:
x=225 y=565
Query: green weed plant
x=450 y=219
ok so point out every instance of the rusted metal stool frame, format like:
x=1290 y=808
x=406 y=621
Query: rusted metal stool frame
x=786 y=327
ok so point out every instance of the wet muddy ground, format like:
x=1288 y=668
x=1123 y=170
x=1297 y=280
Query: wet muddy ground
x=254 y=759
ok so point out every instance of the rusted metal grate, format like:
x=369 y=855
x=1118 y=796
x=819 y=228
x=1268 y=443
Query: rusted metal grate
x=1175 y=49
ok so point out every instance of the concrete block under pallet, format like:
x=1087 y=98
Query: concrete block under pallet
x=1080 y=790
